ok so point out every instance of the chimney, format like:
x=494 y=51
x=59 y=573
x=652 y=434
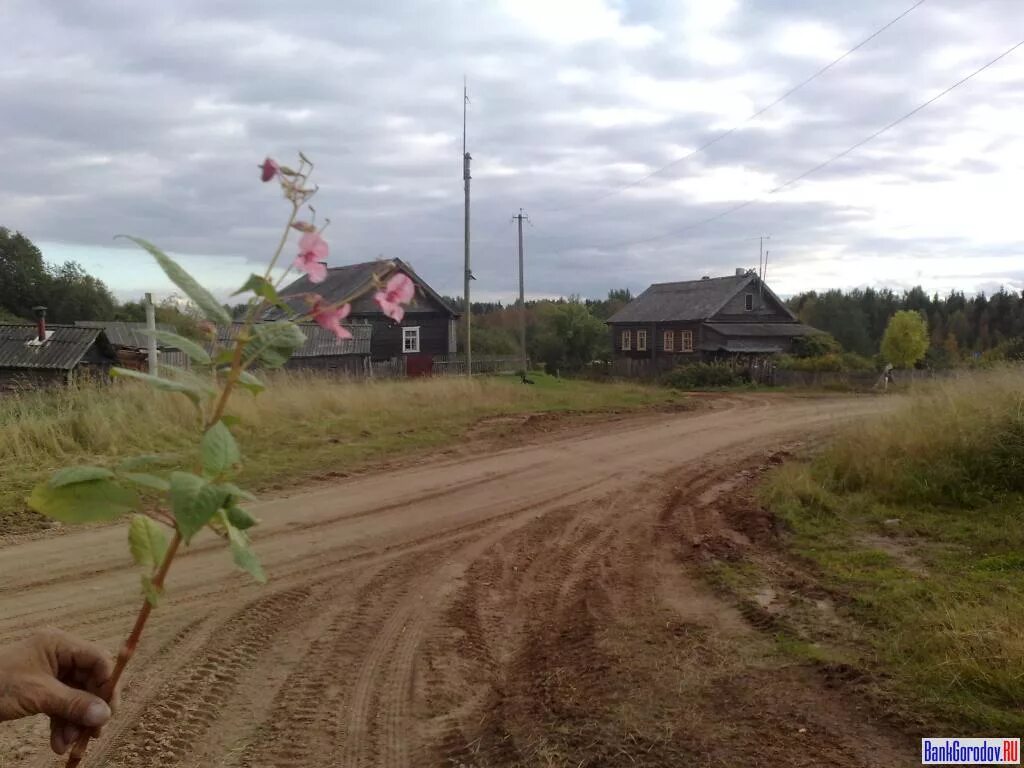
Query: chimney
x=741 y=271
x=40 y=322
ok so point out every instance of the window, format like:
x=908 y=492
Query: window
x=411 y=339
x=686 y=341
x=641 y=340
x=750 y=302
x=670 y=341
x=627 y=341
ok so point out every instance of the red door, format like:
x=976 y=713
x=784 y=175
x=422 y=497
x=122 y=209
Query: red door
x=419 y=365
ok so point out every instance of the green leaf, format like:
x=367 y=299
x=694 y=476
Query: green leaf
x=219 y=450
x=150 y=591
x=231 y=420
x=194 y=501
x=225 y=357
x=261 y=287
x=189 y=347
x=153 y=482
x=72 y=475
x=243 y=555
x=241 y=519
x=145 y=460
x=250 y=382
x=235 y=493
x=273 y=343
x=83 y=502
x=190 y=391
x=203 y=299
x=148 y=542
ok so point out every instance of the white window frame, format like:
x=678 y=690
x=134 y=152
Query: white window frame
x=748 y=302
x=686 y=341
x=668 y=341
x=626 y=341
x=405 y=347
x=641 y=339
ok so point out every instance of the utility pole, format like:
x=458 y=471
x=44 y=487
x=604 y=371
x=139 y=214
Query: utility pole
x=762 y=269
x=151 y=339
x=522 y=294
x=467 y=308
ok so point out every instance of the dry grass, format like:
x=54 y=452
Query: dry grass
x=941 y=481
x=301 y=427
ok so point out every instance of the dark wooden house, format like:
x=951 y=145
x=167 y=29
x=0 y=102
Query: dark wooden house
x=37 y=356
x=704 y=320
x=426 y=331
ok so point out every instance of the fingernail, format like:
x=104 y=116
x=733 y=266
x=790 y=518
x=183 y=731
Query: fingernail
x=96 y=714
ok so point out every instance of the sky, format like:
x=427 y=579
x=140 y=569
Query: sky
x=151 y=119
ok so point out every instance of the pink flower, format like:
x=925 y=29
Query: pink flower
x=312 y=255
x=270 y=169
x=329 y=318
x=399 y=290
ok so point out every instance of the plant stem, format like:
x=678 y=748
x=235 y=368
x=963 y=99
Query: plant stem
x=130 y=644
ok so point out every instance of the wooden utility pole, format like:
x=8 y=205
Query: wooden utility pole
x=522 y=293
x=468 y=307
x=151 y=339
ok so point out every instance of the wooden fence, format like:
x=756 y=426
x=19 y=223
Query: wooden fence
x=448 y=365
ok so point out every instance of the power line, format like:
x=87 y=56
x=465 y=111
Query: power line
x=790 y=182
x=753 y=116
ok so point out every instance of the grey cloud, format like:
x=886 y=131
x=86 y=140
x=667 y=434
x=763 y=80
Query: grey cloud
x=185 y=99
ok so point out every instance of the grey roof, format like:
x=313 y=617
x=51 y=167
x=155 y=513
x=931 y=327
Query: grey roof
x=343 y=282
x=685 y=301
x=65 y=346
x=762 y=329
x=319 y=341
x=123 y=334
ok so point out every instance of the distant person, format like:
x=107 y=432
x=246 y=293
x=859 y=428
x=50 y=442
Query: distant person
x=52 y=673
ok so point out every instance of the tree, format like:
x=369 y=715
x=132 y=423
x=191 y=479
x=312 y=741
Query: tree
x=569 y=336
x=23 y=277
x=73 y=294
x=906 y=339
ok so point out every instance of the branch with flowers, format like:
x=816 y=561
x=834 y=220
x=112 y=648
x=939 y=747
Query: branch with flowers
x=195 y=493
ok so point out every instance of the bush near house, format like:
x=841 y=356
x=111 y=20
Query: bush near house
x=703 y=376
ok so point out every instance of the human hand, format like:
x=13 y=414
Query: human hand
x=55 y=674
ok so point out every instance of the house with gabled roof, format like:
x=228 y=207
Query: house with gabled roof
x=704 y=320
x=34 y=356
x=427 y=330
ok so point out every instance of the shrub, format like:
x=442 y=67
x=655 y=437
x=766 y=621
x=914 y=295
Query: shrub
x=816 y=345
x=702 y=375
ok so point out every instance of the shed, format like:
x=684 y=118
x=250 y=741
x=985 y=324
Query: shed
x=35 y=356
x=132 y=344
x=322 y=351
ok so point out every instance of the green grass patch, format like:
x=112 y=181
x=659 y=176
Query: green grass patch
x=916 y=522
x=300 y=428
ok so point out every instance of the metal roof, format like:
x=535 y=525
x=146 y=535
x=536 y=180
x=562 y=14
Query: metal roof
x=319 y=341
x=684 y=301
x=123 y=334
x=343 y=282
x=64 y=347
x=762 y=329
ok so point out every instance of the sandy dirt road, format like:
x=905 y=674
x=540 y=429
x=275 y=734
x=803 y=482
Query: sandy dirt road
x=522 y=607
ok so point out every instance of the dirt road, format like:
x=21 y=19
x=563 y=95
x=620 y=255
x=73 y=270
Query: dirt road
x=532 y=606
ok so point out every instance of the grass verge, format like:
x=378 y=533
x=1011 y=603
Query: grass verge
x=301 y=427
x=914 y=524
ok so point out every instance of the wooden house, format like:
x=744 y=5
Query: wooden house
x=34 y=356
x=132 y=344
x=426 y=331
x=703 y=320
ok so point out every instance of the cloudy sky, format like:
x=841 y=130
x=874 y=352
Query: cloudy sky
x=150 y=119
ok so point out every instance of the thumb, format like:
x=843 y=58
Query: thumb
x=71 y=704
